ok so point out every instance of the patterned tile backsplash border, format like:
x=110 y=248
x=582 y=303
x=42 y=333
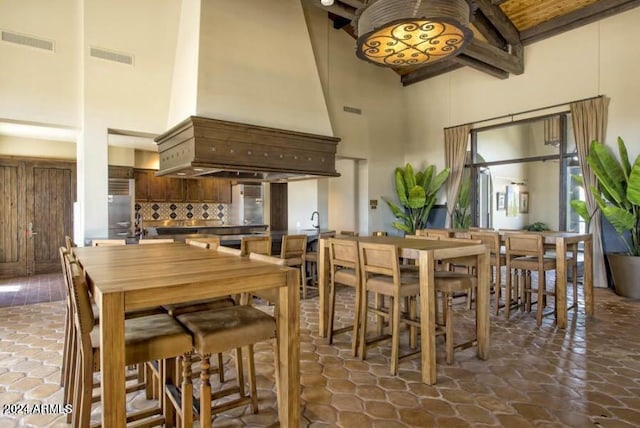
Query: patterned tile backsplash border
x=179 y=211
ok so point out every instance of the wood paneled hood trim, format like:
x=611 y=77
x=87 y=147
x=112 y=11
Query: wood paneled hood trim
x=201 y=147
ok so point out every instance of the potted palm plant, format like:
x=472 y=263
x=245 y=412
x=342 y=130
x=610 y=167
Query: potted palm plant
x=417 y=193
x=618 y=197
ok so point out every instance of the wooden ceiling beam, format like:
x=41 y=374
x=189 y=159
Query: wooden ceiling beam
x=463 y=59
x=356 y=4
x=429 y=71
x=484 y=52
x=586 y=15
x=498 y=2
x=336 y=8
x=500 y=21
x=487 y=29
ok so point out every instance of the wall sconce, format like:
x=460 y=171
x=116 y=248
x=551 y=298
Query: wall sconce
x=373 y=204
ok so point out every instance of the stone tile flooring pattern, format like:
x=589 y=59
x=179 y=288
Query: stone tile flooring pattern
x=30 y=290
x=585 y=376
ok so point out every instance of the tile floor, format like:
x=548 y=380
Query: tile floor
x=30 y=290
x=585 y=376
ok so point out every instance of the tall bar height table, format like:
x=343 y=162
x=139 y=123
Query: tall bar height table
x=141 y=276
x=426 y=252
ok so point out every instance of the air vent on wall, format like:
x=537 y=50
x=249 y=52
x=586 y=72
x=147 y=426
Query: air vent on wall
x=108 y=55
x=354 y=110
x=22 y=39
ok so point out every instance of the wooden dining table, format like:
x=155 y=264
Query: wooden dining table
x=426 y=252
x=132 y=277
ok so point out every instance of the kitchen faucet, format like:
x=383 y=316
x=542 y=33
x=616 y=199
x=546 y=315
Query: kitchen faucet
x=314 y=214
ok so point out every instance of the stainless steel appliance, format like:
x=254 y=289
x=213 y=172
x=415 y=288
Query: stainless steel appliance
x=121 y=197
x=247 y=205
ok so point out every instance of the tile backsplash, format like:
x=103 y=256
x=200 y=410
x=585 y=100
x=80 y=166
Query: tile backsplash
x=183 y=211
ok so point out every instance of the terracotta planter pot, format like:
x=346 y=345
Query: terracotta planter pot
x=625 y=271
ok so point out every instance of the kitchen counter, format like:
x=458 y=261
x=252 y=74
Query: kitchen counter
x=235 y=239
x=181 y=227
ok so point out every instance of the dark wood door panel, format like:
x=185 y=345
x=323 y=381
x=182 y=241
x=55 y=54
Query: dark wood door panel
x=13 y=257
x=51 y=214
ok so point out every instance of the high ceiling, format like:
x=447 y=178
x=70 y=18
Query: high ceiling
x=501 y=30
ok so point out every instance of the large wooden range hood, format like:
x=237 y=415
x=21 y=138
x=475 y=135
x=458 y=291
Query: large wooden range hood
x=200 y=147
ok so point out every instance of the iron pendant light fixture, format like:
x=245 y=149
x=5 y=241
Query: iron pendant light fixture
x=396 y=33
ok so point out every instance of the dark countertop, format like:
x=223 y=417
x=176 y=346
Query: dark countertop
x=231 y=240
x=234 y=240
x=226 y=229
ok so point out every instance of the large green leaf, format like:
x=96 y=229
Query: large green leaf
x=427 y=176
x=403 y=227
x=401 y=189
x=438 y=181
x=624 y=158
x=621 y=219
x=609 y=172
x=580 y=207
x=409 y=176
x=633 y=187
x=396 y=210
x=417 y=197
x=464 y=198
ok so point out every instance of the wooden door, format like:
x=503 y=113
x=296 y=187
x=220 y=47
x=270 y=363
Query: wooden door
x=49 y=213
x=37 y=212
x=13 y=254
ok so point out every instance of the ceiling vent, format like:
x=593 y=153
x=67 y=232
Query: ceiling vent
x=22 y=39
x=108 y=55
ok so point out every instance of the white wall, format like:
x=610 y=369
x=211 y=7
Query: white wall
x=38 y=85
x=184 y=85
x=343 y=196
x=257 y=66
x=31 y=147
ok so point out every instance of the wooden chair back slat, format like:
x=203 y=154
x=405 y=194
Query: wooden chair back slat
x=343 y=253
x=293 y=246
x=524 y=244
x=255 y=244
x=489 y=238
x=381 y=259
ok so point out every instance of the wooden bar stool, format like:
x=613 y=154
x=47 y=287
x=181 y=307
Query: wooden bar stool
x=380 y=273
x=294 y=251
x=345 y=270
x=449 y=283
x=497 y=259
x=218 y=331
x=525 y=253
x=312 y=258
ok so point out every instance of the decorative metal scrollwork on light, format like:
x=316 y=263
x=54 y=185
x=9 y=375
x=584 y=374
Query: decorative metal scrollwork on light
x=409 y=32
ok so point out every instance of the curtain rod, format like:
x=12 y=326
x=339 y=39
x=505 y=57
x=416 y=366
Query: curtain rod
x=525 y=112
